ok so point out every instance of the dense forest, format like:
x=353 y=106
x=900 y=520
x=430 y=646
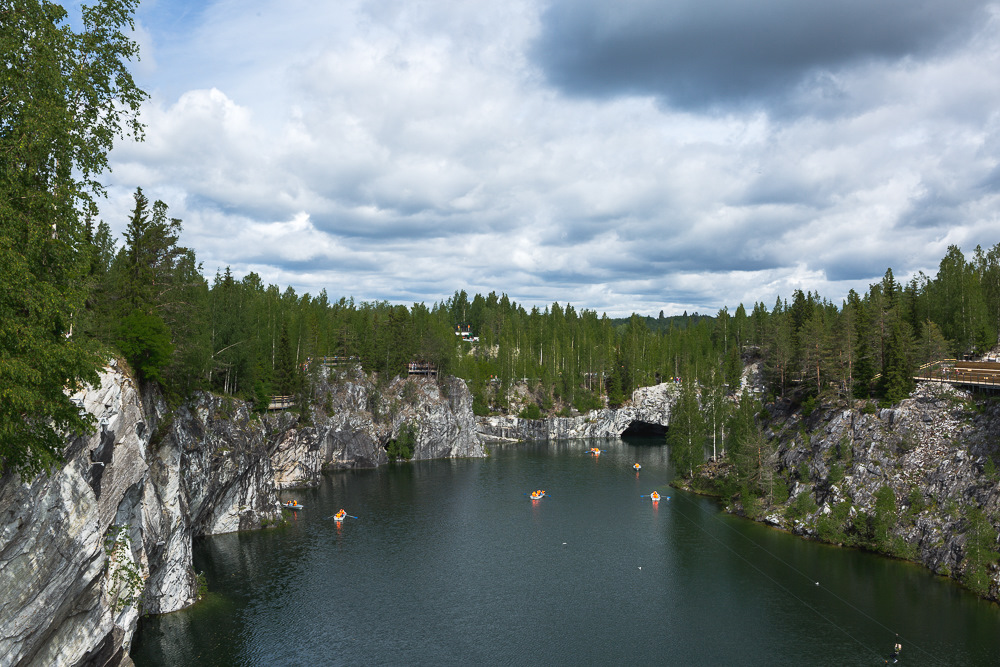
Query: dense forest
x=75 y=295
x=148 y=302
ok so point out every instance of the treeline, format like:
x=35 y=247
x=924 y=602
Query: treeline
x=149 y=301
x=813 y=351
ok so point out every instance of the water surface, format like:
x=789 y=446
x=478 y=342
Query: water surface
x=449 y=563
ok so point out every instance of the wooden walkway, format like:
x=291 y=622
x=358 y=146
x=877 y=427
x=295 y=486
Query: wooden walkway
x=281 y=402
x=970 y=373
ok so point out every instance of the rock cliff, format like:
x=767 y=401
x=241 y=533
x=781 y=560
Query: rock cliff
x=649 y=405
x=88 y=548
x=351 y=421
x=915 y=481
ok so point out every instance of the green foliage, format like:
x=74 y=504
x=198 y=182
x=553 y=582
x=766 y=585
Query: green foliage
x=479 y=408
x=803 y=505
x=530 y=411
x=833 y=527
x=808 y=406
x=980 y=551
x=780 y=491
x=585 y=401
x=125 y=582
x=201 y=585
x=836 y=475
x=753 y=506
x=686 y=435
x=875 y=528
x=401 y=447
x=990 y=469
x=145 y=341
x=64 y=97
x=916 y=503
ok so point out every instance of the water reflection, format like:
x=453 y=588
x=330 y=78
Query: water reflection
x=450 y=563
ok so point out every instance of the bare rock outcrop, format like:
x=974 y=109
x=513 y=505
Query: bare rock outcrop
x=650 y=405
x=931 y=457
x=60 y=601
x=108 y=536
x=351 y=421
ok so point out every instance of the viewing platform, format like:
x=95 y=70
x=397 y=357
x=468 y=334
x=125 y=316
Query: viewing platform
x=281 y=402
x=967 y=373
x=421 y=368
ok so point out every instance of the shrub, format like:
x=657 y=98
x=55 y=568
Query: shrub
x=836 y=473
x=802 y=506
x=531 y=411
x=201 y=582
x=401 y=447
x=479 y=407
x=808 y=406
x=585 y=401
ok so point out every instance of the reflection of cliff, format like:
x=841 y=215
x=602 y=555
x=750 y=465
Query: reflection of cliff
x=649 y=405
x=107 y=536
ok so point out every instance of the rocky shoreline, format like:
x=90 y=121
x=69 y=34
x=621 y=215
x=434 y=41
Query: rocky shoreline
x=107 y=537
x=87 y=549
x=930 y=459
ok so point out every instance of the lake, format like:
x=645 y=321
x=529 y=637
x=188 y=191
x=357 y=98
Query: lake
x=450 y=563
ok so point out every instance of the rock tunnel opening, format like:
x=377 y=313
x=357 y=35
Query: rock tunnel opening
x=639 y=429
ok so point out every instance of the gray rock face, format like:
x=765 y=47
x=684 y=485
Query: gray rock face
x=352 y=421
x=650 y=405
x=933 y=451
x=59 y=600
x=86 y=549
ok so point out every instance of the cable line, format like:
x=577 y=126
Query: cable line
x=802 y=574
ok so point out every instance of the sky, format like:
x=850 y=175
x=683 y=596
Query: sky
x=628 y=156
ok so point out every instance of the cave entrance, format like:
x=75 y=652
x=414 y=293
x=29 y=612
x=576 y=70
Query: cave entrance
x=638 y=429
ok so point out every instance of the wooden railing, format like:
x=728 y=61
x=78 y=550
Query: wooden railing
x=421 y=368
x=281 y=402
x=973 y=373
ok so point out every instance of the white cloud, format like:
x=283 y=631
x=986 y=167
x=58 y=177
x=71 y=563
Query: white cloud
x=402 y=151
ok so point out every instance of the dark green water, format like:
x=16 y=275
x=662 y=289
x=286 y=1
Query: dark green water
x=450 y=564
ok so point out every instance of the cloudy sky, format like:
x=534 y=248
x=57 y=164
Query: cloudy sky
x=636 y=155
